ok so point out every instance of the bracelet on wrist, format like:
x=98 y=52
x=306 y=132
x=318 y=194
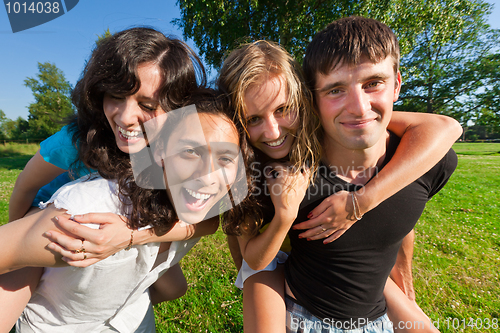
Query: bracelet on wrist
x=355 y=207
x=129 y=246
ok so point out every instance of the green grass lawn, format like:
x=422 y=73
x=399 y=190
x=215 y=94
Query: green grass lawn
x=456 y=260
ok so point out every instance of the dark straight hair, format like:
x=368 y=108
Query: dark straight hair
x=345 y=42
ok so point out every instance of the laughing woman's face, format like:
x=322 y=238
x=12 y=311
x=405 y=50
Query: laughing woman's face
x=200 y=164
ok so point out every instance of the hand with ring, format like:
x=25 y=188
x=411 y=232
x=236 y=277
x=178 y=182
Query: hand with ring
x=74 y=239
x=330 y=219
x=112 y=236
x=82 y=249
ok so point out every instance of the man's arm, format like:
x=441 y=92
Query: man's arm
x=401 y=273
x=425 y=139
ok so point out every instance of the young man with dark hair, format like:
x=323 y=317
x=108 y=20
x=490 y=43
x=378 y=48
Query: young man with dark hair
x=352 y=69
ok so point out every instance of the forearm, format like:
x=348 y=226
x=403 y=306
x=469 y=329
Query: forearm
x=178 y=232
x=234 y=249
x=113 y=235
x=421 y=147
x=260 y=250
x=36 y=174
x=20 y=202
x=401 y=273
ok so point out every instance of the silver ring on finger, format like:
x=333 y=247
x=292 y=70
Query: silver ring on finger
x=322 y=228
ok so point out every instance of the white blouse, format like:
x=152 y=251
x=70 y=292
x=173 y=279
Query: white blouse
x=109 y=296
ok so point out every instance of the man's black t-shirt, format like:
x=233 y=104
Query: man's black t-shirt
x=344 y=280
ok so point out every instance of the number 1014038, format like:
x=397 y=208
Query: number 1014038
x=32 y=7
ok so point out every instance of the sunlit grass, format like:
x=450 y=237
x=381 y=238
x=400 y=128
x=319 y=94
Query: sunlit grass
x=456 y=260
x=457 y=251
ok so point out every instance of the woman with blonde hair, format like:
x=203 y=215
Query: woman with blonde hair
x=274 y=107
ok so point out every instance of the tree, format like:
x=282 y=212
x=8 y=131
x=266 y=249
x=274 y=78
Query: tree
x=450 y=62
x=485 y=104
x=12 y=129
x=52 y=101
x=446 y=46
x=3 y=120
x=218 y=26
x=18 y=128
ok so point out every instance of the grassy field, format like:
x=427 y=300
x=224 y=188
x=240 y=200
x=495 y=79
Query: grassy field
x=456 y=262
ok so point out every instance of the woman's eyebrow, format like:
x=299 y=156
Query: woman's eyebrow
x=281 y=106
x=151 y=99
x=227 y=151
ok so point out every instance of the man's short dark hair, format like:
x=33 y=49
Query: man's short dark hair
x=346 y=42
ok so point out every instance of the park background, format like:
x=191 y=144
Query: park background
x=450 y=65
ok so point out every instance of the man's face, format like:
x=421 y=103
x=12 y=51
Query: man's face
x=355 y=103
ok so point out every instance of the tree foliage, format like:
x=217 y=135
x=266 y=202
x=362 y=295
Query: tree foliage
x=450 y=63
x=105 y=35
x=12 y=129
x=446 y=45
x=52 y=101
x=217 y=26
x=3 y=120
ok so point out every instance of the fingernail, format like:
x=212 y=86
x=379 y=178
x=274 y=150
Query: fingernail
x=51 y=246
x=56 y=218
x=47 y=234
x=309 y=215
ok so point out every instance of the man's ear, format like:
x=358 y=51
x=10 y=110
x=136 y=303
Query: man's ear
x=397 y=86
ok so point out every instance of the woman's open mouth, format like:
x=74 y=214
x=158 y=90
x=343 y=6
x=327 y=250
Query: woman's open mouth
x=195 y=201
x=130 y=136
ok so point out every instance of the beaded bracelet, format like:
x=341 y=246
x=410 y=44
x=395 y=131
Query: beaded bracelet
x=131 y=241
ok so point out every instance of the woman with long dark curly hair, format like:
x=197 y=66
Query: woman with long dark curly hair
x=132 y=77
x=196 y=152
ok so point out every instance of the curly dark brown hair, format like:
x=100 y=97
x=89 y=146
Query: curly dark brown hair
x=112 y=69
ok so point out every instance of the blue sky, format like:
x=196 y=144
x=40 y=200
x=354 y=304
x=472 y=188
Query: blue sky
x=67 y=41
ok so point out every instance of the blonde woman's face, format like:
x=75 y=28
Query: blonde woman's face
x=269 y=129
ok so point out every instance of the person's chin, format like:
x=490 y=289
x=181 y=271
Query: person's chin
x=131 y=148
x=275 y=153
x=192 y=217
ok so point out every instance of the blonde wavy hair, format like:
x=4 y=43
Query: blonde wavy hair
x=256 y=62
